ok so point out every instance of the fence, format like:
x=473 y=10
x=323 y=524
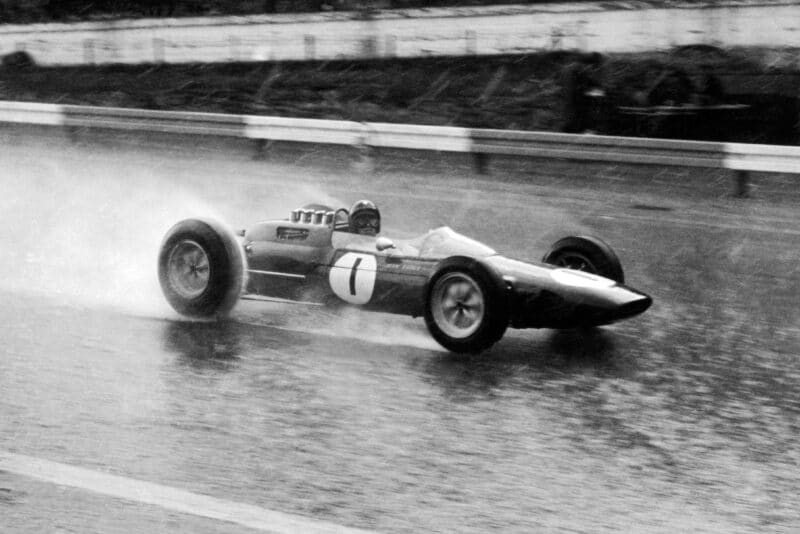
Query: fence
x=481 y=143
x=613 y=26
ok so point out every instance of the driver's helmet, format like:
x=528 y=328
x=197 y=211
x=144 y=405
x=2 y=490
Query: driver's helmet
x=365 y=218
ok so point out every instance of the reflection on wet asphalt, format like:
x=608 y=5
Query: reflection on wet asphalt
x=684 y=419
x=673 y=428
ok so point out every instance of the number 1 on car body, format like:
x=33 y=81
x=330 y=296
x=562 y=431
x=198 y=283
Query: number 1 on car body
x=352 y=277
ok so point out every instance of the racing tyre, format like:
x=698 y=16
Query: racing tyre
x=200 y=268
x=465 y=306
x=588 y=254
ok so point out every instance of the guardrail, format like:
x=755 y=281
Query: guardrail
x=481 y=143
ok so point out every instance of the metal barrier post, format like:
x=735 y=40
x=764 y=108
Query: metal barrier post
x=262 y=148
x=363 y=162
x=742 y=184
x=73 y=134
x=481 y=160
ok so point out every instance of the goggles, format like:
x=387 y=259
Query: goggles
x=363 y=221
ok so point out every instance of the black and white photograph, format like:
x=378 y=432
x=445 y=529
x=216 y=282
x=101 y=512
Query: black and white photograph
x=399 y=266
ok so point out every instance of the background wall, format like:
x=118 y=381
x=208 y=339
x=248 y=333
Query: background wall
x=605 y=27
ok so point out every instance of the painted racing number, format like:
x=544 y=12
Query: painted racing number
x=352 y=277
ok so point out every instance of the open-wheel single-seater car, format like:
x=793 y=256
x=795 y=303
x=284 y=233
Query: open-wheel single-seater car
x=468 y=294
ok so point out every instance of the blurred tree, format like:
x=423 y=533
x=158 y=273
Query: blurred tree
x=159 y=8
x=61 y=9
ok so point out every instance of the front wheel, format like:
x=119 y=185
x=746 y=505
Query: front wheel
x=200 y=269
x=588 y=254
x=464 y=307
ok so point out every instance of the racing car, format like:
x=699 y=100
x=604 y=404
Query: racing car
x=467 y=293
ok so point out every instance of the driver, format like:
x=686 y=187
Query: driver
x=365 y=219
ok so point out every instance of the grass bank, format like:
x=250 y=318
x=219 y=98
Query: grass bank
x=509 y=92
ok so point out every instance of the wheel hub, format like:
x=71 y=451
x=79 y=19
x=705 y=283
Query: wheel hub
x=457 y=305
x=188 y=269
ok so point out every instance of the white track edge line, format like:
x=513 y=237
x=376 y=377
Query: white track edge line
x=165 y=496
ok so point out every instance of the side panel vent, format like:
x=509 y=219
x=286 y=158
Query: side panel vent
x=292 y=234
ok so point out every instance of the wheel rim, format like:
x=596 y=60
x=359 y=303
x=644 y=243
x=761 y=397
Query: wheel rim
x=457 y=305
x=575 y=261
x=188 y=269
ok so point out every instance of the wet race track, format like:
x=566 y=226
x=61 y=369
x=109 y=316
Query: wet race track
x=682 y=419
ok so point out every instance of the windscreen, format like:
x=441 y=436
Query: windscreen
x=443 y=242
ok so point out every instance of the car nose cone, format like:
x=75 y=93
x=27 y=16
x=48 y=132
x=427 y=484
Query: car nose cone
x=637 y=304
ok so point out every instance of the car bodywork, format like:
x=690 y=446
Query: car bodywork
x=315 y=262
x=467 y=292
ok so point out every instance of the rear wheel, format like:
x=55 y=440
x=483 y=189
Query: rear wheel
x=200 y=269
x=588 y=254
x=464 y=308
